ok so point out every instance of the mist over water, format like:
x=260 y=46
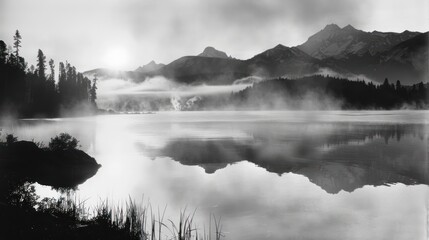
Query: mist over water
x=162 y=86
x=159 y=93
x=269 y=174
x=165 y=94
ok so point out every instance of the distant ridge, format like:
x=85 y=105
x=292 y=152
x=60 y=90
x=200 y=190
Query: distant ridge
x=347 y=51
x=151 y=66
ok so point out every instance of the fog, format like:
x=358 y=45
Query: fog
x=160 y=93
x=310 y=100
x=351 y=76
x=162 y=86
x=327 y=72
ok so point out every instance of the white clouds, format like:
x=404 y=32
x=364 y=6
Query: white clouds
x=83 y=31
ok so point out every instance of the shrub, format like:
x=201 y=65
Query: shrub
x=64 y=141
x=11 y=139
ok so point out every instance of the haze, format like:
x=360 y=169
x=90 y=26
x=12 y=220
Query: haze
x=128 y=34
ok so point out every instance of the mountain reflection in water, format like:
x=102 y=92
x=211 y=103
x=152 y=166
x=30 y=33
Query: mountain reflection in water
x=340 y=156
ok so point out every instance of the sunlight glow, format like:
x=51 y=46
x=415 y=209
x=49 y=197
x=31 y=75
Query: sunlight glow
x=117 y=58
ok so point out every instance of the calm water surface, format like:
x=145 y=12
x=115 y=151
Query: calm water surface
x=270 y=175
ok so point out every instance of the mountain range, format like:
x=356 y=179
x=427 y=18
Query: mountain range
x=346 y=51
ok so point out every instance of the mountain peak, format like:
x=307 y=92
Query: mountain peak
x=280 y=46
x=349 y=28
x=213 y=53
x=281 y=53
x=331 y=27
x=151 y=66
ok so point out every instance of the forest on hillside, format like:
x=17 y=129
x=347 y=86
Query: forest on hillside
x=29 y=91
x=320 y=93
x=325 y=92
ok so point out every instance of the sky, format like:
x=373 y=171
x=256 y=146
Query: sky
x=125 y=34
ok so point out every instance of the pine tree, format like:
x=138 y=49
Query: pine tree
x=93 y=92
x=398 y=85
x=386 y=83
x=86 y=88
x=3 y=52
x=52 y=67
x=62 y=82
x=17 y=42
x=31 y=69
x=41 y=64
x=68 y=72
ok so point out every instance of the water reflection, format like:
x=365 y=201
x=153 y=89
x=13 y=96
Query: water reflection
x=266 y=174
x=340 y=156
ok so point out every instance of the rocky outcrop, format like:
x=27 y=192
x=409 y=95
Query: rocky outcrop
x=59 y=168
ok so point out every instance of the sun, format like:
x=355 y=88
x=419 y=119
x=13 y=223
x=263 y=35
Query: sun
x=117 y=58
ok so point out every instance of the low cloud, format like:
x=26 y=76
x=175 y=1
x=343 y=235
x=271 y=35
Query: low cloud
x=351 y=76
x=160 y=93
x=162 y=86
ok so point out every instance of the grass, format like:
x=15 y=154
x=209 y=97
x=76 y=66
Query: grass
x=130 y=221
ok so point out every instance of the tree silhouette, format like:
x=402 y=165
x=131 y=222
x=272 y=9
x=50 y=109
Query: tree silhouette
x=93 y=91
x=31 y=69
x=17 y=43
x=398 y=85
x=64 y=141
x=30 y=91
x=52 y=68
x=10 y=138
x=62 y=81
x=41 y=64
x=386 y=84
x=3 y=52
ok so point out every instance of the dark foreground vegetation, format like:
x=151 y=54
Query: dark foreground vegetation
x=59 y=165
x=28 y=91
x=23 y=215
x=68 y=218
x=324 y=92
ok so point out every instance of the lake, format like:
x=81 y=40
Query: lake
x=269 y=175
